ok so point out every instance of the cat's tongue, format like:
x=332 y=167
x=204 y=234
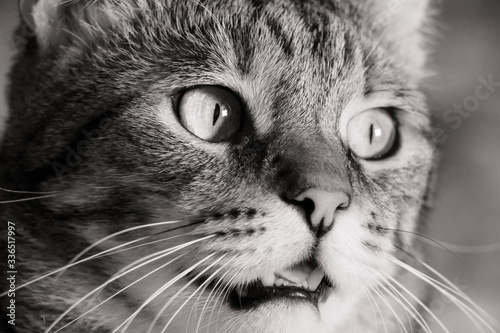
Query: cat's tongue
x=305 y=275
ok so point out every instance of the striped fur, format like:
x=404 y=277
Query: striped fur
x=104 y=72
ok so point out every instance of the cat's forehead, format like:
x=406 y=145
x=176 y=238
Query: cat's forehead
x=289 y=61
x=289 y=35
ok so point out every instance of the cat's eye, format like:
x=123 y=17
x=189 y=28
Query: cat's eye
x=211 y=113
x=371 y=134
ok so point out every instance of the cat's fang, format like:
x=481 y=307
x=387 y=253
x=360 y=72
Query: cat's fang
x=268 y=279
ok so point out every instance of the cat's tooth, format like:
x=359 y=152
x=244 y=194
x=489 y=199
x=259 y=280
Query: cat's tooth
x=268 y=280
x=314 y=279
x=304 y=285
x=279 y=282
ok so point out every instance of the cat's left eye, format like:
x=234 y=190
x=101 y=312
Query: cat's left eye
x=211 y=113
x=371 y=134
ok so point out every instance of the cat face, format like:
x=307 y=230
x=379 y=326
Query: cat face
x=282 y=144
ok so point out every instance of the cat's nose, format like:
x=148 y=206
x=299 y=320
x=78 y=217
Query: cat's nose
x=320 y=206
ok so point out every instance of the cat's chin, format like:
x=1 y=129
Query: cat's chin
x=281 y=315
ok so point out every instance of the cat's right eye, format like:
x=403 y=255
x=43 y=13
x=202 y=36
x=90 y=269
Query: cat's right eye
x=211 y=113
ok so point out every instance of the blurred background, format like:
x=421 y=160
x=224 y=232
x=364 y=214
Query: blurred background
x=466 y=214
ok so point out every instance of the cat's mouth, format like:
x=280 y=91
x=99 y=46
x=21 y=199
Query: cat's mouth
x=305 y=282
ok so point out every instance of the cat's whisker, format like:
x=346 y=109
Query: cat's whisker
x=102 y=240
x=365 y=290
x=28 y=199
x=223 y=295
x=460 y=292
x=196 y=305
x=141 y=245
x=205 y=285
x=218 y=295
x=191 y=224
x=370 y=295
x=453 y=293
x=215 y=289
x=194 y=293
x=450 y=247
x=228 y=322
x=65 y=267
x=174 y=297
x=107 y=299
x=454 y=290
x=398 y=319
x=141 y=259
x=470 y=249
x=412 y=310
x=127 y=322
x=495 y=323
x=96 y=256
x=419 y=302
x=154 y=257
x=27 y=192
x=454 y=296
x=427 y=238
x=397 y=298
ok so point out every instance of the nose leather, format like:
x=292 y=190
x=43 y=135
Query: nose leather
x=326 y=204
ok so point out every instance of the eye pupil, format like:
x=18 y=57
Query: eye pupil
x=371 y=133
x=216 y=114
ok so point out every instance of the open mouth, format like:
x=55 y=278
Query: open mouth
x=305 y=282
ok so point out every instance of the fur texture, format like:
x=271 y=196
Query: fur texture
x=93 y=127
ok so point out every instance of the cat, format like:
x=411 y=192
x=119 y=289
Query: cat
x=218 y=166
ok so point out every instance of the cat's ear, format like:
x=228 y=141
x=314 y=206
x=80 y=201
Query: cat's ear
x=26 y=13
x=57 y=22
x=404 y=23
x=39 y=16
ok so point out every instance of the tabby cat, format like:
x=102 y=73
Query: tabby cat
x=218 y=166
